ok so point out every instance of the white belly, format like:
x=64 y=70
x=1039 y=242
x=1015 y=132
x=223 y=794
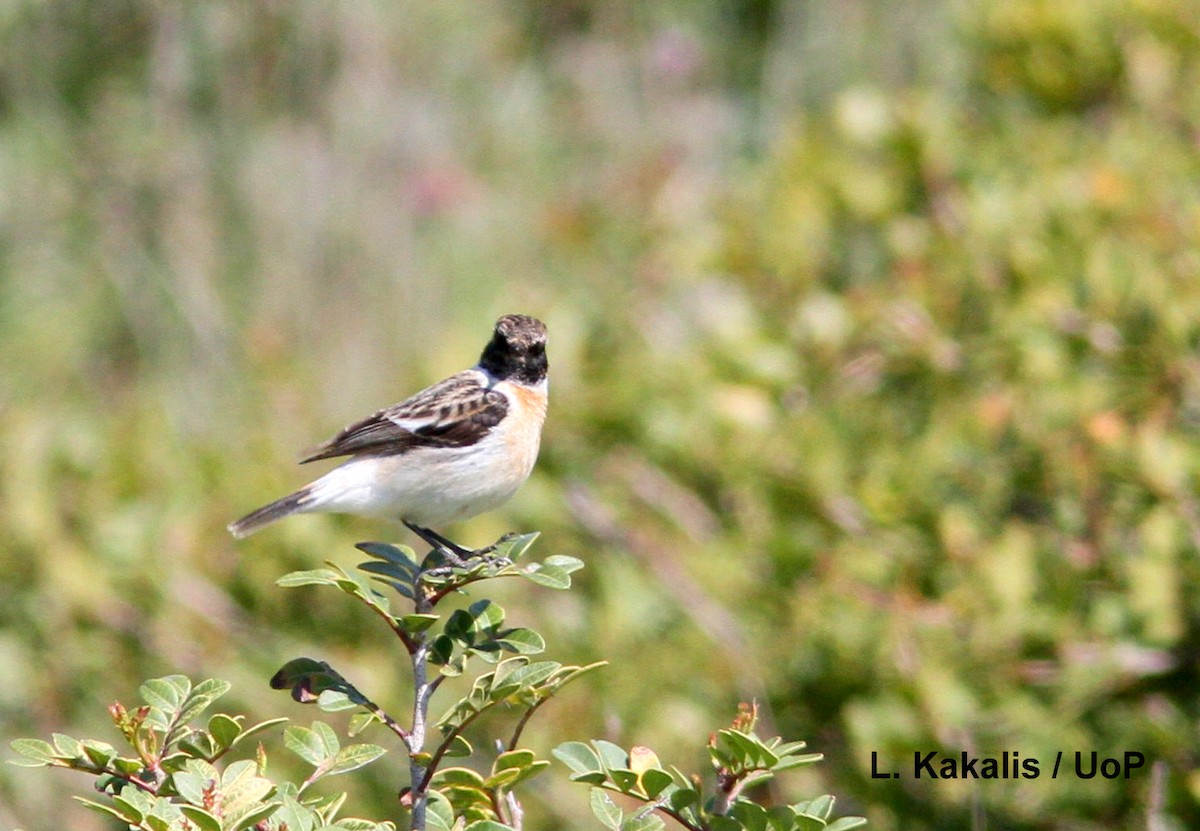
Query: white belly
x=433 y=487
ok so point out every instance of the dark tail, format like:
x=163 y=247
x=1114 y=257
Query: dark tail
x=267 y=514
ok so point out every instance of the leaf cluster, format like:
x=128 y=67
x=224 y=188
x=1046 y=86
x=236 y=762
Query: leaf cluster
x=740 y=760
x=176 y=779
x=445 y=642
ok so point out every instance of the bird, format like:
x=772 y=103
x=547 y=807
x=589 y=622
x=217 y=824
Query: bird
x=456 y=449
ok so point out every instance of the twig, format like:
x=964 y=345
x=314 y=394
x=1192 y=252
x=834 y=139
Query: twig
x=512 y=743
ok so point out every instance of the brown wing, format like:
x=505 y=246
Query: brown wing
x=456 y=412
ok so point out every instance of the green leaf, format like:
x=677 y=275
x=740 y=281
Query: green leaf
x=129 y=767
x=66 y=746
x=488 y=825
x=307 y=678
x=400 y=555
x=37 y=752
x=158 y=823
x=103 y=809
x=251 y=816
x=196 y=743
x=751 y=780
x=459 y=747
x=611 y=755
x=439 y=815
x=503 y=778
x=391 y=575
x=356 y=586
x=547 y=576
x=144 y=802
x=167 y=693
x=819 y=808
x=194 y=780
x=224 y=729
x=554 y=573
x=413 y=624
x=522 y=641
x=127 y=809
x=293 y=815
x=506 y=668
x=258 y=728
x=567 y=674
x=624 y=778
x=685 y=797
x=100 y=753
x=605 y=809
x=390 y=572
x=360 y=722
x=458 y=776
x=846 y=823
x=351 y=824
x=753 y=817
x=783 y=750
x=784 y=818
x=328 y=806
x=789 y=762
x=329 y=739
x=201 y=698
x=741 y=752
x=240 y=783
x=354 y=757
x=655 y=781
x=441 y=649
x=513 y=759
x=578 y=757
x=335 y=701
x=306 y=744
x=514 y=546
x=643 y=821
x=201 y=818
x=509 y=776
x=313 y=577
x=480 y=618
x=594 y=777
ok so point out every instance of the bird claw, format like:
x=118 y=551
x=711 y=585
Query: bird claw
x=454 y=556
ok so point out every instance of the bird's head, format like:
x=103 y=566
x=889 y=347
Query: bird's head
x=517 y=350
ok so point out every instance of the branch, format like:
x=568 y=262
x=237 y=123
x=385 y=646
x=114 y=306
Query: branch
x=658 y=806
x=516 y=736
x=445 y=746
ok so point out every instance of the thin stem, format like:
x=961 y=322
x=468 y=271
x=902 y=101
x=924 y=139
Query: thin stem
x=516 y=736
x=675 y=815
x=149 y=787
x=387 y=720
x=516 y=815
x=498 y=807
x=453 y=587
x=422 y=690
x=409 y=643
x=658 y=806
x=445 y=746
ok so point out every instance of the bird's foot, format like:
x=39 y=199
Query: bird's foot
x=488 y=553
x=454 y=555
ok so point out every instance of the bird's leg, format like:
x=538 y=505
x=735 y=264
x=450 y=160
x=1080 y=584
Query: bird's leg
x=454 y=553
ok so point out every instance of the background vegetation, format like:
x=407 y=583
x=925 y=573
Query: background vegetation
x=875 y=384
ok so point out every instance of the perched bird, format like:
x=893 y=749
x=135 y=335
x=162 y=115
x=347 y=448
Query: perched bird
x=456 y=449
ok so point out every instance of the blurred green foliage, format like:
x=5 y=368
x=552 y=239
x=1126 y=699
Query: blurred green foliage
x=873 y=354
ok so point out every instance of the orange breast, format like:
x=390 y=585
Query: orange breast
x=524 y=424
